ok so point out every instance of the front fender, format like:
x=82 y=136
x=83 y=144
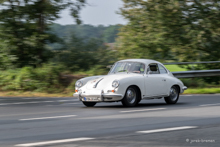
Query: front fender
x=179 y=83
x=125 y=83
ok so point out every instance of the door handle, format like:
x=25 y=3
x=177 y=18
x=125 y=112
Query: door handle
x=164 y=80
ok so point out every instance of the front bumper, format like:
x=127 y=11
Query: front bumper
x=184 y=88
x=103 y=97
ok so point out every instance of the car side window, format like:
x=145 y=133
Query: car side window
x=153 y=68
x=162 y=69
x=137 y=68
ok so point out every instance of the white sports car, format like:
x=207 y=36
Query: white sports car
x=130 y=81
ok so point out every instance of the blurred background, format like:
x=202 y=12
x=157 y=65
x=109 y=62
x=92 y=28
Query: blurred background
x=46 y=45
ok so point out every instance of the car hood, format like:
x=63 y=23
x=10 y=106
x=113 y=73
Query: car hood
x=106 y=81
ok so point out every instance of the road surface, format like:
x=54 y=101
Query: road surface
x=66 y=122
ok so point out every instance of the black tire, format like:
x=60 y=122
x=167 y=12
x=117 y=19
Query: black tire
x=174 y=95
x=89 y=104
x=131 y=98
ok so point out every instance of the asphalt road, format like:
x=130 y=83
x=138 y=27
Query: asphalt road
x=66 y=122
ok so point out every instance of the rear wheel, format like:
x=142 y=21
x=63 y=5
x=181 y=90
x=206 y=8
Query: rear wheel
x=131 y=97
x=89 y=104
x=174 y=95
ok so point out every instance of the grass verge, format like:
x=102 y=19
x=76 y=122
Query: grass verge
x=34 y=94
x=70 y=94
x=202 y=91
x=174 y=68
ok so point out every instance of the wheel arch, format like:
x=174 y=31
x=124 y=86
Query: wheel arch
x=178 y=86
x=139 y=90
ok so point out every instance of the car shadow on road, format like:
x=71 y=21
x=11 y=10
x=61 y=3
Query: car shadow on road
x=143 y=105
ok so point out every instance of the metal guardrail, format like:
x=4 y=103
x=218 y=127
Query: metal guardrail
x=195 y=73
x=178 y=63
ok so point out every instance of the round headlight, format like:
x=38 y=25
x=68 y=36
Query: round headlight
x=115 y=83
x=79 y=84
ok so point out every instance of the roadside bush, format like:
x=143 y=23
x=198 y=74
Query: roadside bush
x=194 y=82
x=45 y=78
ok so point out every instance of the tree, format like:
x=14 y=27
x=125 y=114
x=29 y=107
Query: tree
x=171 y=30
x=110 y=33
x=25 y=27
x=6 y=60
x=82 y=54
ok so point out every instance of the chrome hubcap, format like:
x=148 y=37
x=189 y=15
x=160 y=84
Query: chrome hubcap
x=173 y=93
x=131 y=95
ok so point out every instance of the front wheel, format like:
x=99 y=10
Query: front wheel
x=174 y=95
x=89 y=104
x=131 y=97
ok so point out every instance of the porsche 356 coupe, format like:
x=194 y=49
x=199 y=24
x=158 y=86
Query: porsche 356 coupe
x=130 y=81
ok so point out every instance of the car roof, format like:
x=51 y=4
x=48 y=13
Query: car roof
x=145 y=61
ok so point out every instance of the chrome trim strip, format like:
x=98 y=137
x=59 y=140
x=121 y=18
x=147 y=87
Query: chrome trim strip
x=155 y=97
x=97 y=83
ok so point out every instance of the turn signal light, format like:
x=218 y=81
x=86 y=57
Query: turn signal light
x=76 y=90
x=111 y=91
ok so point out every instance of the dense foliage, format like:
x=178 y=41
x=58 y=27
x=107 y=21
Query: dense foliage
x=24 y=27
x=164 y=30
x=45 y=78
x=80 y=54
x=171 y=30
x=108 y=34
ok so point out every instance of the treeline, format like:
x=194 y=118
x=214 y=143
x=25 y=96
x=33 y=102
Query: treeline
x=36 y=54
x=108 y=34
x=172 y=30
x=164 y=30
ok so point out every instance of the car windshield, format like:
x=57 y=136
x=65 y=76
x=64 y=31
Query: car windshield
x=133 y=67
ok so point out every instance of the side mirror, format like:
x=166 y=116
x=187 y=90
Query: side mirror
x=149 y=72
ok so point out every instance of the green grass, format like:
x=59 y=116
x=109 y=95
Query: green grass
x=36 y=94
x=202 y=91
x=69 y=93
x=174 y=68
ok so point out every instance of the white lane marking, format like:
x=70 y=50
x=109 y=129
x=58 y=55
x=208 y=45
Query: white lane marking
x=65 y=100
x=53 y=142
x=64 y=104
x=31 y=98
x=19 y=103
x=47 y=117
x=47 y=98
x=167 y=129
x=70 y=103
x=210 y=104
x=142 y=110
x=186 y=95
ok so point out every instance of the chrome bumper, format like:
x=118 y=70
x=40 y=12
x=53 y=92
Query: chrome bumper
x=184 y=88
x=104 y=97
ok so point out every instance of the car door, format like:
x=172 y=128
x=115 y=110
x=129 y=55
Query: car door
x=165 y=78
x=155 y=83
